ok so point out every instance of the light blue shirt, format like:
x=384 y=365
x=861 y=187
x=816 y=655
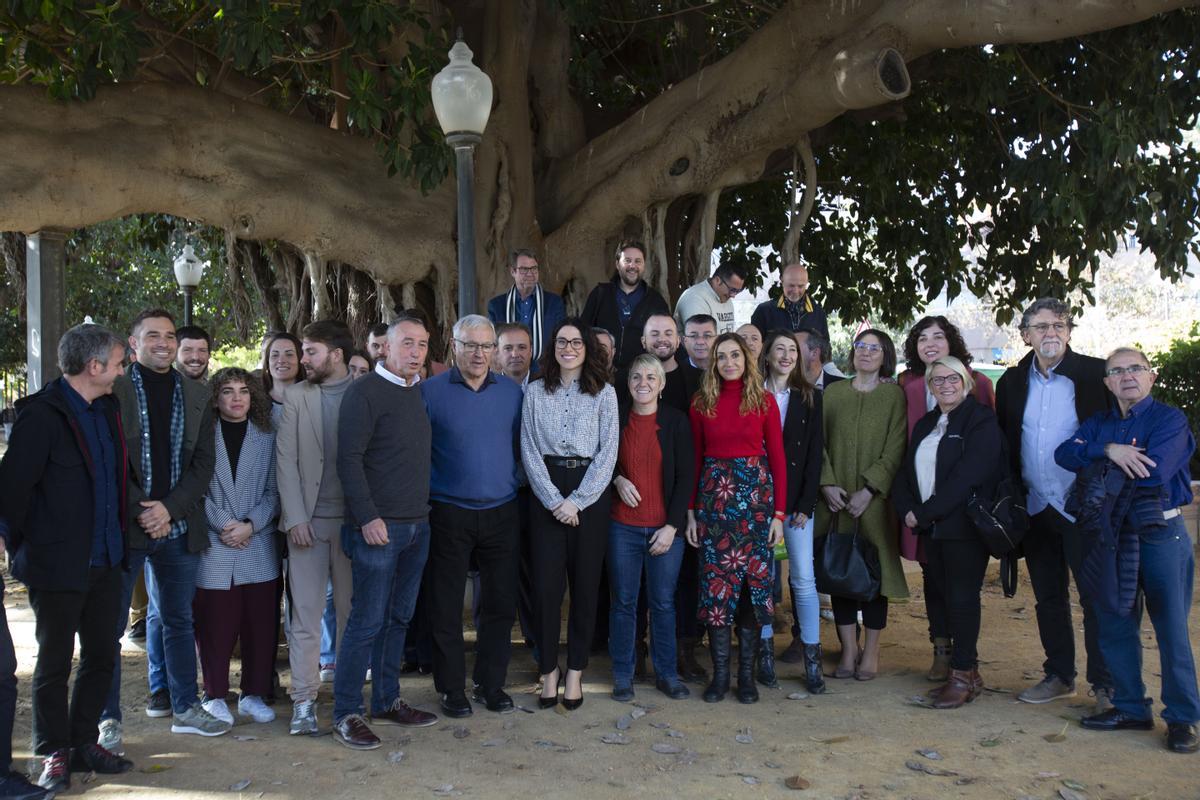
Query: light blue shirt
x=1048 y=422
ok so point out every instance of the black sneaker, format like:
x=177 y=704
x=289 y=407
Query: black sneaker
x=94 y=758
x=159 y=704
x=137 y=631
x=56 y=772
x=495 y=700
x=455 y=704
x=15 y=786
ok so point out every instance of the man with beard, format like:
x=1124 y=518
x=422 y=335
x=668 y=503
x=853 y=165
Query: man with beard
x=377 y=342
x=312 y=507
x=622 y=305
x=195 y=350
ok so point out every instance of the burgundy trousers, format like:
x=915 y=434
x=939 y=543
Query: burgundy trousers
x=222 y=616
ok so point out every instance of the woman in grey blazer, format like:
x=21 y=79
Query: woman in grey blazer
x=238 y=576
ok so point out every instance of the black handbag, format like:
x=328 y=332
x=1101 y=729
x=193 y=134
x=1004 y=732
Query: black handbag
x=846 y=564
x=1002 y=521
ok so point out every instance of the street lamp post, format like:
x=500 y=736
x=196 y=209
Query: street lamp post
x=462 y=99
x=189 y=269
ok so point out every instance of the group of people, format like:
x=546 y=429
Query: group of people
x=651 y=462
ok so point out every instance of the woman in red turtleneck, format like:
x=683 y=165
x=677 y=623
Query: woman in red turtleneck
x=736 y=514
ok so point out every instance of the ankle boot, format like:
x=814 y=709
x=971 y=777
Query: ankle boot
x=963 y=687
x=940 y=670
x=765 y=663
x=748 y=644
x=685 y=660
x=718 y=647
x=812 y=669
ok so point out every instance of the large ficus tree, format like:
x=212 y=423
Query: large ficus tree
x=901 y=147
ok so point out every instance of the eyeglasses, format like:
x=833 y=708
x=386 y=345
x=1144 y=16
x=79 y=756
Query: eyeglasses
x=476 y=347
x=708 y=337
x=563 y=344
x=527 y=270
x=940 y=380
x=869 y=347
x=733 y=291
x=1132 y=369
x=1042 y=328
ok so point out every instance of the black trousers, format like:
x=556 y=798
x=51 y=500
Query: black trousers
x=8 y=689
x=525 y=603
x=935 y=605
x=957 y=567
x=567 y=555
x=1053 y=553
x=845 y=612
x=687 y=595
x=491 y=536
x=93 y=613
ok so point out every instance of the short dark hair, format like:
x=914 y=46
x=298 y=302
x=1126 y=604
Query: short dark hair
x=83 y=344
x=149 y=313
x=729 y=269
x=625 y=244
x=333 y=334
x=700 y=319
x=512 y=327
x=410 y=315
x=888 y=368
x=516 y=253
x=193 y=332
x=379 y=330
x=958 y=347
x=815 y=338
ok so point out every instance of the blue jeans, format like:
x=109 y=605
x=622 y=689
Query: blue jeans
x=155 y=657
x=173 y=571
x=803 y=582
x=387 y=578
x=329 y=628
x=628 y=553
x=1166 y=570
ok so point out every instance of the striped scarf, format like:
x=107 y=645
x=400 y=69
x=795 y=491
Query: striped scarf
x=512 y=315
x=179 y=526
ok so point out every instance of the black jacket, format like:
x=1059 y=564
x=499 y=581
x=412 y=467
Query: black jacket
x=46 y=490
x=802 y=444
x=678 y=465
x=601 y=311
x=770 y=315
x=1012 y=390
x=968 y=459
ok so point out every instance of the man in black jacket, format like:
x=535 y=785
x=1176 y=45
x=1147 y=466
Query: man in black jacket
x=1040 y=403
x=62 y=490
x=623 y=305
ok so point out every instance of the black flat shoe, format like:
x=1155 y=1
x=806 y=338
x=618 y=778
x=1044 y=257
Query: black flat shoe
x=495 y=700
x=1117 y=720
x=622 y=694
x=1181 y=738
x=672 y=689
x=455 y=704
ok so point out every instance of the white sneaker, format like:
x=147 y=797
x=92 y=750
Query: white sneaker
x=110 y=736
x=218 y=709
x=327 y=673
x=252 y=706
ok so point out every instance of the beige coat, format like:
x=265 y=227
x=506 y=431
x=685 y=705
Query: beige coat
x=299 y=454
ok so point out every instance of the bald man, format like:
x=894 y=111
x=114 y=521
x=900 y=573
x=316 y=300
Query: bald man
x=794 y=309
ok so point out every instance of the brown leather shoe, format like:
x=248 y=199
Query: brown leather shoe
x=963 y=687
x=939 y=671
x=401 y=713
x=353 y=732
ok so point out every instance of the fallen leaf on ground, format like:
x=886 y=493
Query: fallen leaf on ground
x=638 y=712
x=493 y=742
x=991 y=741
x=918 y=766
x=240 y=785
x=932 y=755
x=1041 y=776
x=156 y=768
x=245 y=738
x=1073 y=784
x=615 y=738
x=666 y=748
x=675 y=734
x=1061 y=736
x=796 y=782
x=660 y=725
x=751 y=780
x=830 y=739
x=798 y=696
x=1071 y=794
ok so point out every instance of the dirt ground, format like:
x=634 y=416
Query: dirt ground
x=859 y=740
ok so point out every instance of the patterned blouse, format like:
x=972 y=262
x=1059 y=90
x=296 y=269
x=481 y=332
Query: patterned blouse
x=569 y=423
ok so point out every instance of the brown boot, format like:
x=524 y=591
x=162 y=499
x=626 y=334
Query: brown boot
x=963 y=687
x=939 y=672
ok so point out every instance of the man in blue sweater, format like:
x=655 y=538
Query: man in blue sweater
x=475 y=417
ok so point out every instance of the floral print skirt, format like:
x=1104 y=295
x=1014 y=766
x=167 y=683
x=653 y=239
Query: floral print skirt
x=733 y=521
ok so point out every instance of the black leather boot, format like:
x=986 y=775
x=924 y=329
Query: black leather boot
x=718 y=647
x=748 y=644
x=765 y=669
x=813 y=676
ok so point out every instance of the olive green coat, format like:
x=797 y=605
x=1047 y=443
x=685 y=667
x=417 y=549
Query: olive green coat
x=865 y=435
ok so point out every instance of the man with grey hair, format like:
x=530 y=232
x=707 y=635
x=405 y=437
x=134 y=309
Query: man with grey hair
x=475 y=418
x=1040 y=403
x=527 y=302
x=62 y=493
x=1149 y=442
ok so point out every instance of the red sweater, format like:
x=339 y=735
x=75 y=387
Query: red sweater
x=639 y=459
x=729 y=434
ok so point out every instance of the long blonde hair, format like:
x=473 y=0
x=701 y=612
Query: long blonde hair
x=754 y=396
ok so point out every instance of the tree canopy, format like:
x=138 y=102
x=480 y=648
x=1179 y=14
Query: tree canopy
x=900 y=149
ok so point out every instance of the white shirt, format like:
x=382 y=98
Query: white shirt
x=925 y=459
x=386 y=373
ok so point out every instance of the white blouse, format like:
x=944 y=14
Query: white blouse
x=925 y=459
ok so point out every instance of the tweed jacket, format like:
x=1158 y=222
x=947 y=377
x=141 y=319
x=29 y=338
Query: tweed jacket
x=185 y=500
x=253 y=497
x=300 y=454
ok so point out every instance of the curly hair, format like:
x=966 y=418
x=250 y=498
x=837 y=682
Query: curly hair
x=958 y=347
x=594 y=376
x=754 y=395
x=260 y=401
x=797 y=380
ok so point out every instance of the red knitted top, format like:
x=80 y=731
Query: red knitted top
x=728 y=434
x=639 y=458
